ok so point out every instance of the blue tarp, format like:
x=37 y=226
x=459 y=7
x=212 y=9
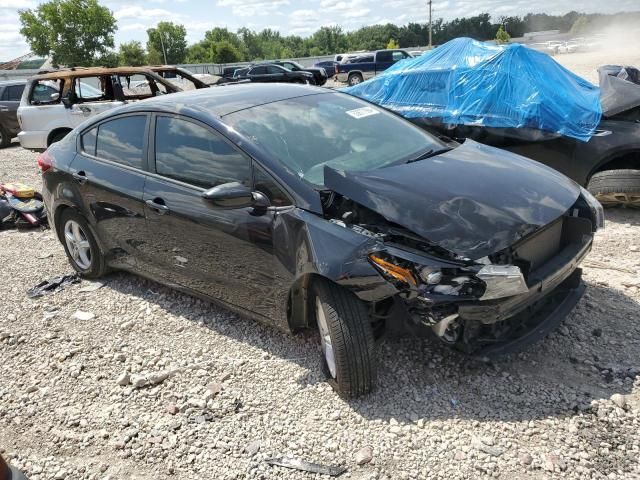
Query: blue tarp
x=466 y=82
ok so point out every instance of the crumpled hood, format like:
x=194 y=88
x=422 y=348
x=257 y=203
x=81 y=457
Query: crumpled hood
x=474 y=200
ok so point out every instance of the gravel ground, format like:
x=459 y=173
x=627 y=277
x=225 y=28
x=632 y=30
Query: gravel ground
x=136 y=381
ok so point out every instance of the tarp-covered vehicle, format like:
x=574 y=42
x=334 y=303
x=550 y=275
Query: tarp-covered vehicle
x=523 y=101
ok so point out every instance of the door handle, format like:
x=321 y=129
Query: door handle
x=81 y=110
x=156 y=206
x=80 y=177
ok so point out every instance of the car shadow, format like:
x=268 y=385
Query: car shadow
x=629 y=216
x=590 y=356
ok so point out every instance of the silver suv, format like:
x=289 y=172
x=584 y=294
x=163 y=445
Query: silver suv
x=56 y=102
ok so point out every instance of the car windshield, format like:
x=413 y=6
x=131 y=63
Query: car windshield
x=332 y=129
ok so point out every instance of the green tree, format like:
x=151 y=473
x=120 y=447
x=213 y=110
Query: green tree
x=167 y=40
x=199 y=53
x=72 y=32
x=502 y=36
x=132 y=54
x=392 y=44
x=225 y=52
x=108 y=59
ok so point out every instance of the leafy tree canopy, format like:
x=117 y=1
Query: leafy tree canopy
x=72 y=32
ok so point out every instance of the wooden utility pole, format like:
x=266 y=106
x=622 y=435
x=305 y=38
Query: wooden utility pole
x=430 y=30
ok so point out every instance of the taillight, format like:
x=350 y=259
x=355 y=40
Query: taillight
x=45 y=161
x=337 y=69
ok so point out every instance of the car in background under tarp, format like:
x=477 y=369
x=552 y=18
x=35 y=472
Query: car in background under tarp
x=522 y=100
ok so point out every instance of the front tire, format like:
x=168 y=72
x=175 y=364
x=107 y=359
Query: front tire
x=80 y=245
x=5 y=137
x=616 y=187
x=348 y=346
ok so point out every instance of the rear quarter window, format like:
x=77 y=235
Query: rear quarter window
x=46 y=92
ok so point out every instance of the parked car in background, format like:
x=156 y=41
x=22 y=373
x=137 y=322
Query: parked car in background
x=54 y=103
x=183 y=78
x=10 y=95
x=343 y=57
x=545 y=48
x=270 y=73
x=573 y=46
x=319 y=73
x=244 y=196
x=367 y=66
x=229 y=72
x=329 y=67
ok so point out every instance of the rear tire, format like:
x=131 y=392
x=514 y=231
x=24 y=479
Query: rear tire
x=616 y=187
x=343 y=321
x=354 y=79
x=80 y=245
x=5 y=137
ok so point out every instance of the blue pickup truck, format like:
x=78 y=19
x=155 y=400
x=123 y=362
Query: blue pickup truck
x=368 y=65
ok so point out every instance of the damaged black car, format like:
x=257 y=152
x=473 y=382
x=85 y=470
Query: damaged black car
x=307 y=208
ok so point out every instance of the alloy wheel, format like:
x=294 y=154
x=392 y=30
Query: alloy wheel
x=77 y=244
x=325 y=338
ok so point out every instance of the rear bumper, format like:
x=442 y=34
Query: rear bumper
x=35 y=140
x=342 y=77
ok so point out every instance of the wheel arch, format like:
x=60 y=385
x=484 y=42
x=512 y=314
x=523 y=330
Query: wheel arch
x=629 y=159
x=298 y=303
x=53 y=133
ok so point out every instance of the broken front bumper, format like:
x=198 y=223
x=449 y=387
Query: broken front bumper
x=508 y=325
x=512 y=323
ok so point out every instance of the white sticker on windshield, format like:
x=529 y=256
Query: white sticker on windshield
x=362 y=112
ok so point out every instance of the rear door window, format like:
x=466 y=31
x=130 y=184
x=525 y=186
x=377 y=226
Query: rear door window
x=275 y=69
x=258 y=71
x=193 y=154
x=122 y=140
x=12 y=93
x=384 y=57
x=397 y=56
x=92 y=89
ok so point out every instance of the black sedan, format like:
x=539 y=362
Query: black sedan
x=274 y=73
x=320 y=75
x=227 y=193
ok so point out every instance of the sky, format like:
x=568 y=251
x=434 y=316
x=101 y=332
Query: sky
x=300 y=17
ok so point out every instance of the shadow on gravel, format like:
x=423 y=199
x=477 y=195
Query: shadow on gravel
x=594 y=353
x=623 y=215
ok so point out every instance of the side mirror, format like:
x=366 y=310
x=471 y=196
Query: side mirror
x=235 y=195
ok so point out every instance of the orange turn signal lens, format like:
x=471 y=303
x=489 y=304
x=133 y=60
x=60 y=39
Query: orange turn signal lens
x=393 y=270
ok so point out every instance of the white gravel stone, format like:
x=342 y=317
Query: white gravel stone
x=235 y=385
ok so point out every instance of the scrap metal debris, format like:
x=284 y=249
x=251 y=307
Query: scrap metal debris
x=305 y=466
x=52 y=285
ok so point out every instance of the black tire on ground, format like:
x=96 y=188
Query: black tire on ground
x=5 y=137
x=58 y=136
x=354 y=79
x=351 y=336
x=616 y=187
x=98 y=266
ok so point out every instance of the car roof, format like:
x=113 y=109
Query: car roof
x=90 y=71
x=8 y=83
x=224 y=99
